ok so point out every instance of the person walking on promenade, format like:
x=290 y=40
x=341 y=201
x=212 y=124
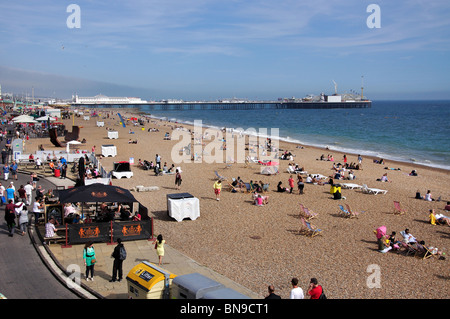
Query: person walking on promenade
x=217 y=189
x=119 y=255
x=6 y=172
x=314 y=290
x=28 y=192
x=10 y=217
x=159 y=246
x=296 y=291
x=2 y=194
x=23 y=220
x=177 y=179
x=272 y=294
x=13 y=169
x=89 y=260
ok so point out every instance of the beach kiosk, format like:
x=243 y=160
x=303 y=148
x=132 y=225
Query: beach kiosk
x=193 y=286
x=148 y=281
x=122 y=169
x=224 y=293
x=109 y=150
x=113 y=135
x=183 y=205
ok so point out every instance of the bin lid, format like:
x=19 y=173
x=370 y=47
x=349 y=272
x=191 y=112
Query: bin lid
x=196 y=283
x=224 y=293
x=146 y=275
x=180 y=196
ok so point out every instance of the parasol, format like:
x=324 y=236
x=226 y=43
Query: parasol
x=381 y=231
x=96 y=193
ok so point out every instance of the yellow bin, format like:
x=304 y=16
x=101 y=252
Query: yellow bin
x=148 y=281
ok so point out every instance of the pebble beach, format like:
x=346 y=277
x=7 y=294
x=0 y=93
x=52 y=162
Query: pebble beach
x=260 y=246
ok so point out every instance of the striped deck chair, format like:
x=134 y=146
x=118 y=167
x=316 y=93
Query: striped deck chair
x=248 y=187
x=352 y=213
x=398 y=210
x=307 y=213
x=308 y=229
x=220 y=177
x=344 y=212
x=423 y=252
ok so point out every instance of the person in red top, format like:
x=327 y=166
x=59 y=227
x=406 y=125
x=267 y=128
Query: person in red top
x=291 y=183
x=314 y=289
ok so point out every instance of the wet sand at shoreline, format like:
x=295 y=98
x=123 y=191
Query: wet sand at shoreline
x=257 y=246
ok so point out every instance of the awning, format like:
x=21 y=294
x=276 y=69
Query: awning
x=96 y=193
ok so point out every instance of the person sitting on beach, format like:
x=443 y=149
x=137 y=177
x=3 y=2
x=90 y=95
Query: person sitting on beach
x=408 y=238
x=298 y=169
x=413 y=173
x=428 y=196
x=260 y=200
x=393 y=242
x=438 y=219
x=351 y=175
x=317 y=181
x=280 y=188
x=383 y=245
x=264 y=187
x=384 y=178
x=447 y=207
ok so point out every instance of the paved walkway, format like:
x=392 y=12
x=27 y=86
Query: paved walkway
x=137 y=251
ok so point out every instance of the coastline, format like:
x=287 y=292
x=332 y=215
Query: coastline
x=283 y=140
x=257 y=246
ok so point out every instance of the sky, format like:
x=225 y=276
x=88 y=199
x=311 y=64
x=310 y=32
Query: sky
x=212 y=49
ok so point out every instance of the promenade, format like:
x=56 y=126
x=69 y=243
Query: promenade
x=60 y=260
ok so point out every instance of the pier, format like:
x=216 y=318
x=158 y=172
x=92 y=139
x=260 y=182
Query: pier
x=179 y=106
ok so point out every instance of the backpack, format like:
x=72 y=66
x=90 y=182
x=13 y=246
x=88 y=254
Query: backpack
x=122 y=253
x=322 y=295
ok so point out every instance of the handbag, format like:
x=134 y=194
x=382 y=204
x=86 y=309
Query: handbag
x=156 y=245
x=93 y=261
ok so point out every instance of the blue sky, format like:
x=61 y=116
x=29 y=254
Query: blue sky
x=209 y=49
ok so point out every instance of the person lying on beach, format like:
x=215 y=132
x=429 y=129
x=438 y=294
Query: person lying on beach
x=298 y=169
x=422 y=248
x=380 y=161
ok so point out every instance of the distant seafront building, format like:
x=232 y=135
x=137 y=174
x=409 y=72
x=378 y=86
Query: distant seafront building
x=103 y=99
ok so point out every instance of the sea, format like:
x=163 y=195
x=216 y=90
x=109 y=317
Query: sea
x=407 y=131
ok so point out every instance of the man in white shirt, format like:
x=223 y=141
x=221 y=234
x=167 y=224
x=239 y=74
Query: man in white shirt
x=408 y=237
x=28 y=192
x=2 y=194
x=296 y=291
